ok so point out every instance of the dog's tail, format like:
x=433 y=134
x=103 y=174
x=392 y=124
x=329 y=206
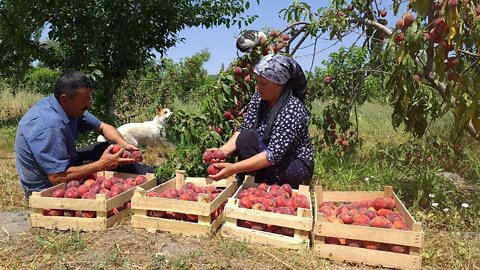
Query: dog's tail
x=100 y=138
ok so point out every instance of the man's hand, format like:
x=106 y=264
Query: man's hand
x=109 y=161
x=128 y=146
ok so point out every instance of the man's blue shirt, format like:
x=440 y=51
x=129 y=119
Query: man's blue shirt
x=46 y=142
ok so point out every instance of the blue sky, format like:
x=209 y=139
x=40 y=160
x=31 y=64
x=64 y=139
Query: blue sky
x=220 y=41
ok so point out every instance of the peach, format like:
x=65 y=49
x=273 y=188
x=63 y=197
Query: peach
x=394 y=216
x=89 y=182
x=353 y=243
x=383 y=212
x=388 y=224
x=185 y=197
x=71 y=193
x=258 y=192
x=137 y=155
x=245 y=203
x=347 y=217
x=364 y=203
x=291 y=203
x=398 y=249
x=69 y=213
x=361 y=219
x=377 y=222
x=274 y=187
x=55 y=212
x=88 y=195
x=212 y=170
x=117 y=187
x=244 y=223
x=158 y=214
x=258 y=206
x=408 y=18
x=73 y=183
x=114 y=193
x=370 y=213
x=108 y=184
x=82 y=189
x=332 y=241
x=172 y=193
x=126 y=154
x=218 y=154
x=140 y=179
x=287 y=188
x=243 y=193
x=212 y=189
x=207 y=156
x=257 y=226
x=58 y=193
x=333 y=219
x=260 y=200
x=198 y=189
x=263 y=186
x=152 y=194
x=269 y=204
x=371 y=245
x=378 y=203
x=399 y=225
x=116 y=148
x=389 y=203
x=288 y=231
x=188 y=185
x=326 y=210
x=291 y=211
x=89 y=214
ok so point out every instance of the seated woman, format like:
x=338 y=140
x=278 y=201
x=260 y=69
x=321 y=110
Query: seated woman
x=273 y=142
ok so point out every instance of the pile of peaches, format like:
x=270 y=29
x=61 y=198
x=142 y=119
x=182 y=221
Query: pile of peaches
x=275 y=199
x=188 y=192
x=379 y=213
x=88 y=188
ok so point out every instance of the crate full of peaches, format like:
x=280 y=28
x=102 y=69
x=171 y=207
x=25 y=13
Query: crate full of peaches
x=366 y=227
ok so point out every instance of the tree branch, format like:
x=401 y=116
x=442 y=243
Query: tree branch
x=377 y=25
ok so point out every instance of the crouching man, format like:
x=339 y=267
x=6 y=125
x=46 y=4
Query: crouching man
x=45 y=143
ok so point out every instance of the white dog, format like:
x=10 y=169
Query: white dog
x=146 y=133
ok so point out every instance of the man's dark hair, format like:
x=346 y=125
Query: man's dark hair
x=70 y=82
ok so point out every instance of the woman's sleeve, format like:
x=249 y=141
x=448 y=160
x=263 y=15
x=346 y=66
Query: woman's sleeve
x=249 y=121
x=289 y=125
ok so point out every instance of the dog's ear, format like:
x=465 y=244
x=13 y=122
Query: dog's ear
x=159 y=108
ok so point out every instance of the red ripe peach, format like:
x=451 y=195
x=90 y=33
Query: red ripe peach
x=280 y=201
x=269 y=204
x=291 y=203
x=244 y=224
x=370 y=213
x=399 y=225
x=383 y=212
x=227 y=115
x=389 y=203
x=172 y=193
x=388 y=224
x=301 y=203
x=82 y=189
x=353 y=243
x=332 y=241
x=58 y=193
x=258 y=192
x=237 y=71
x=350 y=7
x=212 y=189
x=394 y=216
x=71 y=193
x=400 y=24
x=100 y=179
x=188 y=185
x=287 y=188
x=140 y=179
x=257 y=226
x=408 y=18
x=291 y=211
x=89 y=182
x=95 y=188
x=247 y=78
x=108 y=184
x=137 y=155
x=73 y=183
x=260 y=200
x=340 y=13
x=333 y=219
x=263 y=186
x=218 y=154
x=158 y=214
x=89 y=214
x=326 y=210
x=55 y=212
x=273 y=33
x=207 y=156
x=269 y=196
x=328 y=79
x=399 y=37
x=88 y=195
x=193 y=218
x=361 y=219
x=126 y=154
x=212 y=170
x=371 y=245
x=69 y=213
x=364 y=203
x=113 y=193
x=452 y=3
x=243 y=193
x=185 y=197
x=117 y=187
x=398 y=249
x=274 y=188
x=347 y=217
x=383 y=13
x=377 y=222
x=288 y=231
x=152 y=194
x=378 y=203
x=258 y=206
x=199 y=189
x=116 y=148
x=245 y=202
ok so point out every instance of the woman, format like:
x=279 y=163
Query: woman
x=273 y=142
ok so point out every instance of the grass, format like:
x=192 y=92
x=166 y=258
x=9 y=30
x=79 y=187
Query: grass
x=451 y=239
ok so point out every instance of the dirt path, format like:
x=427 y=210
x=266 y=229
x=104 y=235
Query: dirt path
x=13 y=223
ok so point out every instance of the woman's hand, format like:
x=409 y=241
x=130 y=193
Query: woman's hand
x=226 y=170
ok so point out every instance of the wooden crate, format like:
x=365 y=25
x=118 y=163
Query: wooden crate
x=203 y=208
x=412 y=239
x=43 y=200
x=301 y=223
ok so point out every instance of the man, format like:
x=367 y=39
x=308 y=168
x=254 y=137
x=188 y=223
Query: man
x=45 y=144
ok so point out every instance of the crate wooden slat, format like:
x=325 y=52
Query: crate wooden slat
x=203 y=208
x=301 y=223
x=101 y=205
x=413 y=239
